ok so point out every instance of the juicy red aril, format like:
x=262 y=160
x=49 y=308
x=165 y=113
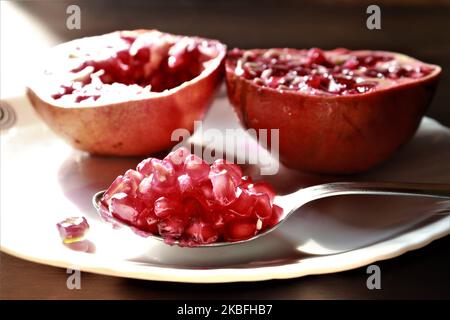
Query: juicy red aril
x=200 y=232
x=277 y=213
x=233 y=170
x=73 y=229
x=335 y=72
x=119 y=185
x=165 y=207
x=182 y=55
x=164 y=177
x=263 y=207
x=128 y=183
x=124 y=207
x=147 y=221
x=317 y=56
x=171 y=228
x=185 y=183
x=133 y=179
x=204 y=193
x=182 y=198
x=261 y=188
x=240 y=229
x=146 y=191
x=147 y=225
x=145 y=167
x=162 y=170
x=191 y=208
x=224 y=188
x=245 y=181
x=196 y=168
x=244 y=205
x=177 y=157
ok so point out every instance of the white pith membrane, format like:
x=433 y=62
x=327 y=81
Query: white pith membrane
x=334 y=72
x=88 y=71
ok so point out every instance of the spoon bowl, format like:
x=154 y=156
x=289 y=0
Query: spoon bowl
x=293 y=201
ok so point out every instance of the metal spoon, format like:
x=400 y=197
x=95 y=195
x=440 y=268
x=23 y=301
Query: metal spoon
x=293 y=201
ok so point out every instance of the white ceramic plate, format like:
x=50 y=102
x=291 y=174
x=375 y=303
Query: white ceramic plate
x=44 y=181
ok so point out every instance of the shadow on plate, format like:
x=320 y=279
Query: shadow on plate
x=326 y=226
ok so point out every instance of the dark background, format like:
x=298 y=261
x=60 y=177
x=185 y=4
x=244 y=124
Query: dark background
x=417 y=28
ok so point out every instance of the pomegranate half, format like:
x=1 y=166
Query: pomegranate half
x=338 y=111
x=124 y=93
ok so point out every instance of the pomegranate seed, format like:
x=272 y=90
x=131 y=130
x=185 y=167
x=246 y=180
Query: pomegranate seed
x=262 y=188
x=196 y=168
x=223 y=187
x=133 y=179
x=202 y=233
x=145 y=187
x=232 y=169
x=142 y=55
x=244 y=204
x=263 y=208
x=73 y=229
x=185 y=184
x=217 y=219
x=317 y=56
x=240 y=229
x=191 y=207
x=118 y=185
x=206 y=190
x=171 y=228
x=162 y=170
x=124 y=207
x=245 y=181
x=182 y=53
x=277 y=213
x=177 y=157
x=165 y=207
x=164 y=176
x=351 y=64
x=147 y=221
x=145 y=167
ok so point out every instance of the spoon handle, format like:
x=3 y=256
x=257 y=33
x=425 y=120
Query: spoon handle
x=303 y=196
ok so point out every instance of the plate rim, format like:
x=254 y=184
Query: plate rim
x=391 y=248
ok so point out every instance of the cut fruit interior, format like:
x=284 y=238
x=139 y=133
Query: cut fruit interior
x=125 y=65
x=318 y=72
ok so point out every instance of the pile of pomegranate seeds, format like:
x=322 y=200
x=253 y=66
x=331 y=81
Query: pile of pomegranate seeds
x=335 y=72
x=182 y=198
x=73 y=229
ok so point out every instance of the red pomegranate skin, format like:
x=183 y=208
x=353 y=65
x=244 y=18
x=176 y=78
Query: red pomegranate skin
x=102 y=130
x=135 y=127
x=340 y=134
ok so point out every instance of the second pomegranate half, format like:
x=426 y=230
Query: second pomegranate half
x=337 y=111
